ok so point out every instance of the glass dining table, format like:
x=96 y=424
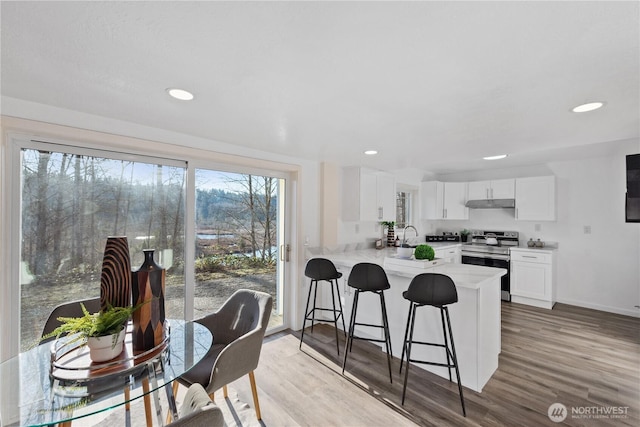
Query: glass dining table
x=50 y=385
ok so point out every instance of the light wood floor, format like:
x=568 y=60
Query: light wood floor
x=578 y=357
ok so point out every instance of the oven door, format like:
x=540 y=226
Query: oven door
x=493 y=260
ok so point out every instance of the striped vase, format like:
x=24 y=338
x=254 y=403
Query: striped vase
x=115 y=280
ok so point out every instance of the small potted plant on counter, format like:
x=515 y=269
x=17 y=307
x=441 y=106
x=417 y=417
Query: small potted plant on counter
x=424 y=252
x=464 y=235
x=103 y=332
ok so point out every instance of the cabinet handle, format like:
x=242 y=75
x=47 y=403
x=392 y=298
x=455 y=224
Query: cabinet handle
x=529 y=256
x=380 y=212
x=487 y=190
x=444 y=213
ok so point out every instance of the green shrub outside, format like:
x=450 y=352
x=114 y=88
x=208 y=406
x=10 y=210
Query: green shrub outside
x=218 y=263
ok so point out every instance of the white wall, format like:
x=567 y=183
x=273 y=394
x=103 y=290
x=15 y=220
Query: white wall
x=598 y=270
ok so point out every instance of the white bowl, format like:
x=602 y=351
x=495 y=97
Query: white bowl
x=404 y=252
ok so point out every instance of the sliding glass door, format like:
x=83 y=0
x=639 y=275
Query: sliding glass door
x=239 y=242
x=71 y=201
x=213 y=230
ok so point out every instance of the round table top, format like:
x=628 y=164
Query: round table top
x=32 y=395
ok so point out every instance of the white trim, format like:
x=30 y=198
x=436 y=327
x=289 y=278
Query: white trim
x=63 y=147
x=599 y=307
x=9 y=259
x=189 y=248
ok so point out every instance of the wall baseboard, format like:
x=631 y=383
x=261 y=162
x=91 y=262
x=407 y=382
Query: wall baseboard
x=616 y=310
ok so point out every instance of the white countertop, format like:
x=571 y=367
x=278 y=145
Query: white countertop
x=464 y=275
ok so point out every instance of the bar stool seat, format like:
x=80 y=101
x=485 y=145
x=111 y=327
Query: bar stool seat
x=368 y=277
x=437 y=290
x=323 y=270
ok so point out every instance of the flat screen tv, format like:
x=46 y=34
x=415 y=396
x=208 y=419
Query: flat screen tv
x=632 y=202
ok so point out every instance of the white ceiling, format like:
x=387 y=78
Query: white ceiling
x=430 y=85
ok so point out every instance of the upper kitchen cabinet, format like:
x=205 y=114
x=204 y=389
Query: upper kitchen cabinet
x=368 y=195
x=497 y=189
x=536 y=198
x=443 y=200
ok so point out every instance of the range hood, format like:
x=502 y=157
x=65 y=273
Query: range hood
x=491 y=203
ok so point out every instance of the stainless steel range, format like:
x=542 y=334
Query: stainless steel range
x=491 y=249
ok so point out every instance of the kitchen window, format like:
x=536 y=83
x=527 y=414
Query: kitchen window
x=403 y=209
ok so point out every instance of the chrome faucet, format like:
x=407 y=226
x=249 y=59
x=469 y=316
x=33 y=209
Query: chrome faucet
x=404 y=233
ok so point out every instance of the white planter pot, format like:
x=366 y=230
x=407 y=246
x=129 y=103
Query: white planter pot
x=404 y=252
x=102 y=348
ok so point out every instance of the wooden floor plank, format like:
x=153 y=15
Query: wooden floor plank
x=570 y=355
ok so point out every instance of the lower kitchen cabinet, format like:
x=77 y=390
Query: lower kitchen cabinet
x=533 y=277
x=450 y=254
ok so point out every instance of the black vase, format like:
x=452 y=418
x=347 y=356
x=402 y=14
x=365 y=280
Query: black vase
x=147 y=285
x=115 y=279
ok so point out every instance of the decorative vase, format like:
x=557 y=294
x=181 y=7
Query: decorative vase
x=106 y=347
x=148 y=320
x=115 y=280
x=391 y=238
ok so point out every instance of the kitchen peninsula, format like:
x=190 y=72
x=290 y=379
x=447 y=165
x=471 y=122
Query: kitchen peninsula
x=475 y=318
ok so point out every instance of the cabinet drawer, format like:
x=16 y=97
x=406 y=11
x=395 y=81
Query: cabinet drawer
x=531 y=256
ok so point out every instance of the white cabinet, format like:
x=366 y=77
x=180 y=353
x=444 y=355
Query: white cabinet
x=449 y=254
x=431 y=200
x=536 y=198
x=368 y=195
x=533 y=277
x=455 y=198
x=386 y=196
x=443 y=200
x=497 y=189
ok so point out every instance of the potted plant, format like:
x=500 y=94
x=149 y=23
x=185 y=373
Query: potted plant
x=464 y=235
x=424 y=252
x=103 y=332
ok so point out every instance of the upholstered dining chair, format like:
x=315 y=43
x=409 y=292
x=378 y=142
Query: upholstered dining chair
x=198 y=410
x=238 y=329
x=68 y=309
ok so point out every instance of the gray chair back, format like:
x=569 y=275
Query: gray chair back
x=68 y=309
x=198 y=410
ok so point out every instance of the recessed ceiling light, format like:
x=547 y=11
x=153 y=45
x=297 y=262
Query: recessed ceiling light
x=370 y=152
x=498 y=157
x=587 y=107
x=180 y=94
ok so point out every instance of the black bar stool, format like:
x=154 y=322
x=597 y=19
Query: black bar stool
x=435 y=290
x=367 y=277
x=321 y=269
